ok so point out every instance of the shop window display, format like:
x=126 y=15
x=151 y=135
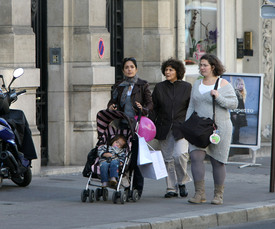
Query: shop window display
x=201 y=29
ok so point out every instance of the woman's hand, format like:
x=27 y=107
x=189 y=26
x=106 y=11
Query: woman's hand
x=107 y=155
x=113 y=107
x=139 y=105
x=215 y=93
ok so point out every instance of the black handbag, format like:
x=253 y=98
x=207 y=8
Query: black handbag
x=91 y=157
x=197 y=130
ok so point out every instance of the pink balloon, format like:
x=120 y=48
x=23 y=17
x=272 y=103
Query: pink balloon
x=146 y=128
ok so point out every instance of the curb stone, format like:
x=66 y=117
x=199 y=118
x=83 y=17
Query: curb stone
x=60 y=170
x=200 y=219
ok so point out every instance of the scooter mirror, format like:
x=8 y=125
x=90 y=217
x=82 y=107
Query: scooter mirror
x=18 y=72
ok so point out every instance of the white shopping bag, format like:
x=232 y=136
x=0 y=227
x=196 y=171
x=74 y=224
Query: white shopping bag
x=155 y=170
x=144 y=155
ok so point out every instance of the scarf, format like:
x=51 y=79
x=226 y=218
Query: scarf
x=127 y=83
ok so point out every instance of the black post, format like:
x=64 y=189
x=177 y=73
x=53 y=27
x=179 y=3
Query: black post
x=264 y=15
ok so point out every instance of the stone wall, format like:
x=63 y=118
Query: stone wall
x=17 y=49
x=80 y=86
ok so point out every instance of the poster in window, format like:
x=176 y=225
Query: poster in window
x=246 y=118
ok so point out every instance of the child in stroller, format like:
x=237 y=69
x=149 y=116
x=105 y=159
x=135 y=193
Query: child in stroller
x=110 y=158
x=107 y=129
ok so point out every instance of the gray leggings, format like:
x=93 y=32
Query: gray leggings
x=198 y=167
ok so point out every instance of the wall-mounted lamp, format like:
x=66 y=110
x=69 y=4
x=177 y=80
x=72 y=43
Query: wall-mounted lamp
x=268 y=10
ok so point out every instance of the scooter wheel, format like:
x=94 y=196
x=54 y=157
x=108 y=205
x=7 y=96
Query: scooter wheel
x=23 y=179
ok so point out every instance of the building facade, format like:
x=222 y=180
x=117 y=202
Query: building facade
x=72 y=50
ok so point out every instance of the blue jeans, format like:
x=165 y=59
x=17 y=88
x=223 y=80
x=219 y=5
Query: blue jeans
x=108 y=168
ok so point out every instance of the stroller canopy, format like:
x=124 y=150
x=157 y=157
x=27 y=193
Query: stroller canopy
x=105 y=117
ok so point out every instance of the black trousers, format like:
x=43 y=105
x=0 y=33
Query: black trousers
x=138 y=180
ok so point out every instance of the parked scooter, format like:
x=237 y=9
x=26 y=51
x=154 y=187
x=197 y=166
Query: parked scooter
x=11 y=160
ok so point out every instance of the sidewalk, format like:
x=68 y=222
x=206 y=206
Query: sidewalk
x=246 y=199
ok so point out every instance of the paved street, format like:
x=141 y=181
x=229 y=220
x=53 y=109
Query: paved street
x=54 y=202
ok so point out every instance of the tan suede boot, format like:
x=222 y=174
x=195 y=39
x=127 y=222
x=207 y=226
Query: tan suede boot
x=199 y=196
x=218 y=194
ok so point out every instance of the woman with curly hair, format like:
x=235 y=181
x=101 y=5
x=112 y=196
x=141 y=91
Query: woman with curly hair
x=171 y=99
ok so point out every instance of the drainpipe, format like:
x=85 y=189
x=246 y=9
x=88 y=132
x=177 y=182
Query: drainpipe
x=181 y=30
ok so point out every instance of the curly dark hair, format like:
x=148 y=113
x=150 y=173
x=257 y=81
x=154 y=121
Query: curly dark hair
x=214 y=61
x=176 y=64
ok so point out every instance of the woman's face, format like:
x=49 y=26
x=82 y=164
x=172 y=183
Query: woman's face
x=240 y=86
x=129 y=69
x=205 y=68
x=171 y=74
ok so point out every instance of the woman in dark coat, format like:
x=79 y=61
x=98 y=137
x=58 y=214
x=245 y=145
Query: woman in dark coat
x=131 y=96
x=171 y=98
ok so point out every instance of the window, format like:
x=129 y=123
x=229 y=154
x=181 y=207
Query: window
x=200 y=28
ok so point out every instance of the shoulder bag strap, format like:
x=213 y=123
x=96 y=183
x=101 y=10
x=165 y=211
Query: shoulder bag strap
x=213 y=98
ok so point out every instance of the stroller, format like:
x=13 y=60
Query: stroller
x=107 y=128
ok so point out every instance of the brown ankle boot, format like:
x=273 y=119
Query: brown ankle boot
x=218 y=194
x=199 y=196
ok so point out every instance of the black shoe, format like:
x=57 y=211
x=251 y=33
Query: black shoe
x=183 y=190
x=170 y=195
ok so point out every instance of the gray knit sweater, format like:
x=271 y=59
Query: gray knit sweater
x=202 y=104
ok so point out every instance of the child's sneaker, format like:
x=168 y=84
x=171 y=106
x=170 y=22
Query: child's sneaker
x=104 y=184
x=113 y=182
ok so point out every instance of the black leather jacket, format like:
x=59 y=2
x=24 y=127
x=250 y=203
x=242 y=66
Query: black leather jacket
x=141 y=93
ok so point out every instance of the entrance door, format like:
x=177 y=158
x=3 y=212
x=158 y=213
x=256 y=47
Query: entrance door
x=115 y=27
x=39 y=25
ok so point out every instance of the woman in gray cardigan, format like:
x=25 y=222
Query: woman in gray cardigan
x=201 y=102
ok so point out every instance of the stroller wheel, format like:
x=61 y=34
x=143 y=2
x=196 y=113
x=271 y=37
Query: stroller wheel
x=97 y=194
x=91 y=196
x=114 y=197
x=105 y=194
x=135 y=195
x=84 y=195
x=128 y=194
x=123 y=197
